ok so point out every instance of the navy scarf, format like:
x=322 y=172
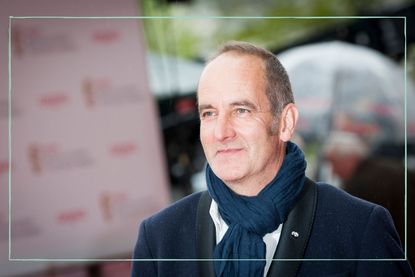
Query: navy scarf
x=250 y=218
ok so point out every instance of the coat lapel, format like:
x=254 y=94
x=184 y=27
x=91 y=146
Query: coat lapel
x=295 y=233
x=205 y=236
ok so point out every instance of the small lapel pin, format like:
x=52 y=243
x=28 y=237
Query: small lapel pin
x=294 y=234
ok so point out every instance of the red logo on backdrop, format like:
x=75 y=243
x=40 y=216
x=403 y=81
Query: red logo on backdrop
x=17 y=42
x=35 y=40
x=105 y=36
x=123 y=149
x=4 y=167
x=72 y=216
x=53 y=99
x=19 y=34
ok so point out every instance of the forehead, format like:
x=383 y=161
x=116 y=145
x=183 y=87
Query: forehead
x=231 y=76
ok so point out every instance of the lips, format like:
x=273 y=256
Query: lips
x=229 y=151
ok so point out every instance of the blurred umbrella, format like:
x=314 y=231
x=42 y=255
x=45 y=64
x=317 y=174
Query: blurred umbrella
x=340 y=86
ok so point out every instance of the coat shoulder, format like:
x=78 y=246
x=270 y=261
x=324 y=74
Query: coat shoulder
x=332 y=198
x=345 y=224
x=181 y=210
x=352 y=230
x=170 y=233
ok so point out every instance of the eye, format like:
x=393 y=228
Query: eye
x=242 y=111
x=207 y=114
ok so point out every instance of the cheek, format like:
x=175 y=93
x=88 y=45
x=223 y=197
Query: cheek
x=205 y=137
x=258 y=141
x=251 y=131
x=256 y=124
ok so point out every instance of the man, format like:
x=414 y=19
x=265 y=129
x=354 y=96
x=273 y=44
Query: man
x=259 y=205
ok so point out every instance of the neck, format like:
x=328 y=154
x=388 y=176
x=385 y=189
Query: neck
x=253 y=185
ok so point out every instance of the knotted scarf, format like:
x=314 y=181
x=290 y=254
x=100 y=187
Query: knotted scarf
x=251 y=217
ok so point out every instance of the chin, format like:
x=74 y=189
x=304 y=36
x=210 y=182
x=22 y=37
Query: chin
x=227 y=175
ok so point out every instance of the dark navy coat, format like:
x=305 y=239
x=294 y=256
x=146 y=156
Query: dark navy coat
x=339 y=234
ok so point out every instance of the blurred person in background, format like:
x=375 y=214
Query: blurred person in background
x=378 y=178
x=259 y=205
x=344 y=151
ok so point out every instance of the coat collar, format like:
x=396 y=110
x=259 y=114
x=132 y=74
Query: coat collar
x=295 y=233
x=205 y=236
x=290 y=246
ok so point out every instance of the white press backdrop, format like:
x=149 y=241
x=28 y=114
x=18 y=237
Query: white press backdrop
x=87 y=162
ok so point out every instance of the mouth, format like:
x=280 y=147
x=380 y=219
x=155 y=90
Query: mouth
x=228 y=151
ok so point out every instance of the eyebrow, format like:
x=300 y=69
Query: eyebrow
x=204 y=107
x=243 y=103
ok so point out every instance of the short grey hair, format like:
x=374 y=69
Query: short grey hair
x=278 y=86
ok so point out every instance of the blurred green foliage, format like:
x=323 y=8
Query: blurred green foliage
x=193 y=38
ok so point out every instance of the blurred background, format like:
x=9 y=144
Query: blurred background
x=105 y=130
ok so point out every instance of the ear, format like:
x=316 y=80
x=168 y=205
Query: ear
x=288 y=121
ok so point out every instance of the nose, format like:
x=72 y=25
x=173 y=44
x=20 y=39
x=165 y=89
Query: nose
x=224 y=129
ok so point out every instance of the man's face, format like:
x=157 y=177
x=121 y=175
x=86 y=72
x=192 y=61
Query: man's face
x=236 y=121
